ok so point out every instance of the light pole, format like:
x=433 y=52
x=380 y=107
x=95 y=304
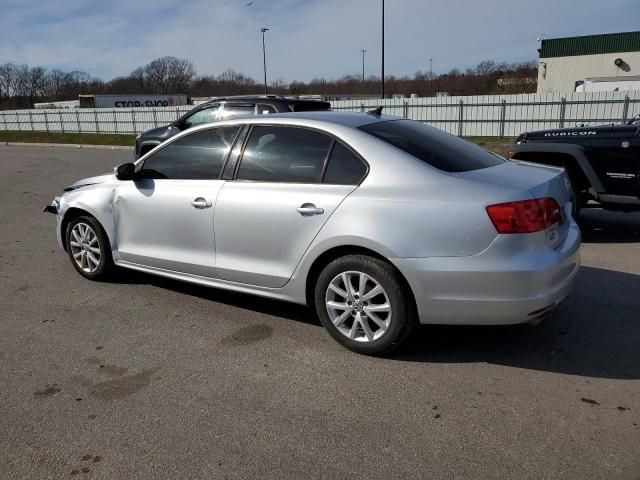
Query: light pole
x=382 y=79
x=264 y=59
x=363 y=52
x=431 y=77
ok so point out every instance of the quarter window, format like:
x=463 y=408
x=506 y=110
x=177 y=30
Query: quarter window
x=264 y=109
x=284 y=154
x=344 y=167
x=198 y=156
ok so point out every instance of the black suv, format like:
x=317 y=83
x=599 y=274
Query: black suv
x=603 y=162
x=224 y=108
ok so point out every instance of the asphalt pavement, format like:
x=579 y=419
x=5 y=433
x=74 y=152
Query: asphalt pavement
x=147 y=378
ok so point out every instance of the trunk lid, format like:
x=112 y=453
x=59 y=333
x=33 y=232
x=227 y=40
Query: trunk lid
x=540 y=181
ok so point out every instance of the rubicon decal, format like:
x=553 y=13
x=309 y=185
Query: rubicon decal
x=574 y=133
x=621 y=175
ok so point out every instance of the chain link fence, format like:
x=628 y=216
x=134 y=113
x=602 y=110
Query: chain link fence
x=490 y=115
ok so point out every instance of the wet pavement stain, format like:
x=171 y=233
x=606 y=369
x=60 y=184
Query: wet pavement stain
x=113 y=370
x=47 y=392
x=123 y=386
x=108 y=369
x=248 y=335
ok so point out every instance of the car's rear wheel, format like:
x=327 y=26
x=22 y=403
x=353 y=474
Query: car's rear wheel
x=88 y=247
x=364 y=304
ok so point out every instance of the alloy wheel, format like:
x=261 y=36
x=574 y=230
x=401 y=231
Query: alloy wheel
x=358 y=306
x=85 y=247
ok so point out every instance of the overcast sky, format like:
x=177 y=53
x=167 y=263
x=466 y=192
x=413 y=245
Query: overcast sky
x=307 y=38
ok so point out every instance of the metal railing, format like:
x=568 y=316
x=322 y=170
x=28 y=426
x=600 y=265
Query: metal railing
x=499 y=116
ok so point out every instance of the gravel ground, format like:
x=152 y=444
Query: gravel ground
x=150 y=378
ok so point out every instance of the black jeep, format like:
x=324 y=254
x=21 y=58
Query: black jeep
x=603 y=162
x=224 y=108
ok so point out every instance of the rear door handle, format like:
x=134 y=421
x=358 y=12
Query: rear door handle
x=309 y=209
x=201 y=203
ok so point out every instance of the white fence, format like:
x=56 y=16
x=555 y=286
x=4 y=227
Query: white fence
x=490 y=115
x=508 y=115
x=91 y=120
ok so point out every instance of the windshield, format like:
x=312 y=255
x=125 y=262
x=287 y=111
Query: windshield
x=435 y=147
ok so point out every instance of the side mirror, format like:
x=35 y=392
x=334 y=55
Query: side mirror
x=126 y=171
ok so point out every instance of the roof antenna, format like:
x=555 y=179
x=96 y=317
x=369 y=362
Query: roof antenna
x=376 y=111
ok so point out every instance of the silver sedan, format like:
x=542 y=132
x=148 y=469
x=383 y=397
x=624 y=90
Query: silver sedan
x=379 y=223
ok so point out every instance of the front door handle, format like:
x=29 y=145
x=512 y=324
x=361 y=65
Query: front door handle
x=309 y=209
x=201 y=203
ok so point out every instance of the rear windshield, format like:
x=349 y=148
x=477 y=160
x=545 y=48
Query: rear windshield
x=307 y=106
x=435 y=147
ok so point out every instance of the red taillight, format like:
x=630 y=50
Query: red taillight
x=526 y=216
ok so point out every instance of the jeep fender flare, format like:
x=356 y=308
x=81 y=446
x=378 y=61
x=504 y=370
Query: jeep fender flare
x=576 y=151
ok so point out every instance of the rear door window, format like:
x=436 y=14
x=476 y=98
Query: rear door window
x=435 y=147
x=284 y=154
x=231 y=110
x=308 y=106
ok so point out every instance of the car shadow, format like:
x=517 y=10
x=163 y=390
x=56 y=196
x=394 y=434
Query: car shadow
x=600 y=226
x=267 y=306
x=595 y=332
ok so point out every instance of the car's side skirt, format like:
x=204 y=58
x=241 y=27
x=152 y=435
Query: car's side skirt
x=275 y=293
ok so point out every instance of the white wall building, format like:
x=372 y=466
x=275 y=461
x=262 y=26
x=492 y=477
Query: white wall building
x=607 y=62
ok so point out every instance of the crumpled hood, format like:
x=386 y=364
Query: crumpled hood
x=89 y=181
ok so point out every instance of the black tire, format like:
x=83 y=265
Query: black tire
x=577 y=201
x=403 y=316
x=105 y=264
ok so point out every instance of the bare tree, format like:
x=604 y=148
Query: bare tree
x=166 y=75
x=21 y=85
x=7 y=73
x=138 y=78
x=486 y=67
x=36 y=83
x=54 y=84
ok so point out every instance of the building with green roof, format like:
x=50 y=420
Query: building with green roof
x=604 y=62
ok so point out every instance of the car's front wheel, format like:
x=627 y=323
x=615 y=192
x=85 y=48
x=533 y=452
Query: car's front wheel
x=364 y=304
x=88 y=247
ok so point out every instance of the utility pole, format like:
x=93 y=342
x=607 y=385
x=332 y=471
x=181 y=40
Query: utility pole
x=382 y=77
x=264 y=59
x=363 y=52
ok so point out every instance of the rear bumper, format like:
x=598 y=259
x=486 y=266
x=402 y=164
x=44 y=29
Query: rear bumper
x=493 y=288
